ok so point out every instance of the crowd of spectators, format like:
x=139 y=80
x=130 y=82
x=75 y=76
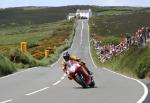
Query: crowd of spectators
x=105 y=52
x=140 y=38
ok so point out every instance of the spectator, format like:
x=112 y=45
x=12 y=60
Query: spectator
x=143 y=35
x=128 y=40
x=136 y=39
x=147 y=32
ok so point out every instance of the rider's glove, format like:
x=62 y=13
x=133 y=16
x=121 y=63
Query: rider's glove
x=80 y=62
x=64 y=70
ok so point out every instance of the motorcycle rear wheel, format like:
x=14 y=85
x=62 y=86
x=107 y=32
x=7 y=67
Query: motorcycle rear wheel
x=92 y=84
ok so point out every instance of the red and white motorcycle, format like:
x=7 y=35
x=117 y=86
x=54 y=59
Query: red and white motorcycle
x=75 y=71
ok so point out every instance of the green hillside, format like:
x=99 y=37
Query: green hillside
x=35 y=15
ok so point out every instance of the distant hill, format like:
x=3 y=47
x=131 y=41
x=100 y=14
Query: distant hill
x=36 y=15
x=39 y=15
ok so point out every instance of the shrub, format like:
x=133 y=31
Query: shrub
x=144 y=68
x=142 y=71
x=19 y=65
x=17 y=56
x=6 y=66
x=32 y=44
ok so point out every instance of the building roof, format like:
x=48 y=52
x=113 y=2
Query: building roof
x=72 y=14
x=83 y=11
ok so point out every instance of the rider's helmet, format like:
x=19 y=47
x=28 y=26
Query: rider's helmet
x=66 y=56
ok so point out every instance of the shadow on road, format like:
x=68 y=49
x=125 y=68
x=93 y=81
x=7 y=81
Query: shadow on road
x=84 y=88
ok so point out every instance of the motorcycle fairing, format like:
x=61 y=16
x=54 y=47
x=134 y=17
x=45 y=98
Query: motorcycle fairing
x=73 y=68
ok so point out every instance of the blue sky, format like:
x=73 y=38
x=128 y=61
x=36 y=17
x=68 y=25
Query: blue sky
x=18 y=3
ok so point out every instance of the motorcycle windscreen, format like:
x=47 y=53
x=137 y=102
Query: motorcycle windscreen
x=74 y=67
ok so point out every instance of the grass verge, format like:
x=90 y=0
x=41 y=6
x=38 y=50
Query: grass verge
x=130 y=63
x=6 y=66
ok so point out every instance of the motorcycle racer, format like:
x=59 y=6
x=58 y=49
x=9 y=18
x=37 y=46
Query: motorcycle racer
x=67 y=57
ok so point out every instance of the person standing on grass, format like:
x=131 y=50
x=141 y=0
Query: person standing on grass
x=136 y=39
x=147 y=32
x=140 y=37
x=128 y=40
x=143 y=35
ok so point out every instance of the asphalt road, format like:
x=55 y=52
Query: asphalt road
x=49 y=84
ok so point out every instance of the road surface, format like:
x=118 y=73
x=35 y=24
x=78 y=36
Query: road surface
x=49 y=84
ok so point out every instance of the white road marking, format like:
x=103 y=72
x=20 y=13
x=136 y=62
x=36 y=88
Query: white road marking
x=81 y=33
x=37 y=91
x=63 y=77
x=7 y=101
x=143 y=85
x=56 y=62
x=145 y=92
x=89 y=48
x=57 y=82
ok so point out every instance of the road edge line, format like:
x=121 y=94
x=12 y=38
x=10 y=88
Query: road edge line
x=63 y=52
x=81 y=33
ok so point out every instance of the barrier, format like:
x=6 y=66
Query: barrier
x=46 y=53
x=23 y=46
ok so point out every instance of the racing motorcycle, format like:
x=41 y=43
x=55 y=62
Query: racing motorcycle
x=75 y=72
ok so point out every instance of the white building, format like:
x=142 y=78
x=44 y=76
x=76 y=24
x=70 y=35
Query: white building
x=86 y=14
x=71 y=16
